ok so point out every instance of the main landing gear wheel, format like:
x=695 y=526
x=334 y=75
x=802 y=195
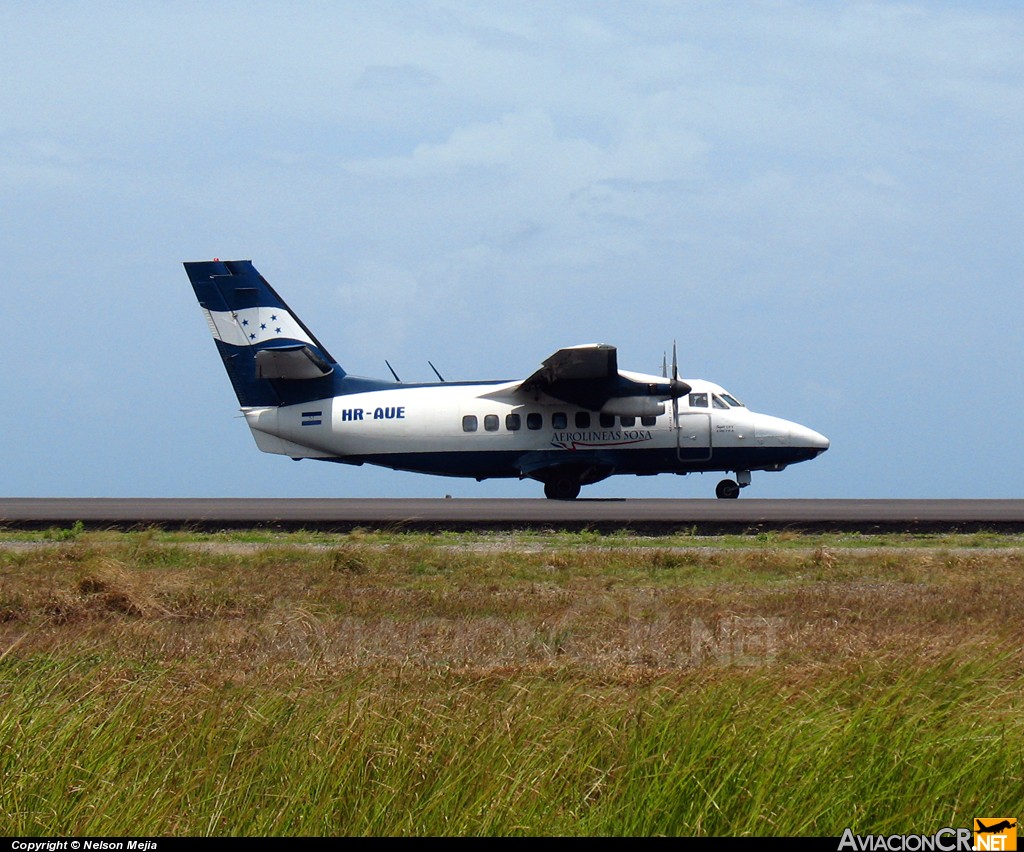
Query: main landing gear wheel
x=562 y=488
x=727 y=490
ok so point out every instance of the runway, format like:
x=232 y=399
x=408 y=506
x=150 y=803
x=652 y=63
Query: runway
x=660 y=516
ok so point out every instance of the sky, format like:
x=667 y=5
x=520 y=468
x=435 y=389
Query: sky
x=819 y=202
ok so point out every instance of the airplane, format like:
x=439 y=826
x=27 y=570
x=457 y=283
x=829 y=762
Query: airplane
x=575 y=421
x=997 y=828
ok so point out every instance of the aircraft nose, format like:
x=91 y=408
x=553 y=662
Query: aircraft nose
x=775 y=432
x=801 y=436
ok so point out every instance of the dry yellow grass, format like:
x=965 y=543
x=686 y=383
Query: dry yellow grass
x=618 y=611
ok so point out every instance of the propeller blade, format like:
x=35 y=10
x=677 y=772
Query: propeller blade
x=675 y=378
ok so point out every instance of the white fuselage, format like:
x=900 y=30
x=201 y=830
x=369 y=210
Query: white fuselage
x=473 y=430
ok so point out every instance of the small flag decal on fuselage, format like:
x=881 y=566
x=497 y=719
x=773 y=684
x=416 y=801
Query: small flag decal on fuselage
x=312 y=418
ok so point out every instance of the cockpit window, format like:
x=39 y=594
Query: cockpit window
x=698 y=400
x=717 y=401
x=735 y=403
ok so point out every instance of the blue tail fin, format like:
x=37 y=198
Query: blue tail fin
x=270 y=356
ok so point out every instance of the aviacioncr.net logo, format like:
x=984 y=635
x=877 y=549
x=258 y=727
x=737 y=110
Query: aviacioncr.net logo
x=944 y=840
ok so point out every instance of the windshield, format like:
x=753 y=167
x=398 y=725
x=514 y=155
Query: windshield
x=732 y=401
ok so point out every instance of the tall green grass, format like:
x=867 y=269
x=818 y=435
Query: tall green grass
x=93 y=748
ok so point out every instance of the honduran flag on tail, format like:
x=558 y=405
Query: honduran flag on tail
x=270 y=356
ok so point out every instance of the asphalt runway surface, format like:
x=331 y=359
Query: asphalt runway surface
x=643 y=516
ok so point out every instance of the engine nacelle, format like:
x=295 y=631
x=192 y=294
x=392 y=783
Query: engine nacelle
x=633 y=406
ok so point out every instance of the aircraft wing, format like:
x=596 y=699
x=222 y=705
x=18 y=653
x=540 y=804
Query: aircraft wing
x=596 y=362
x=588 y=376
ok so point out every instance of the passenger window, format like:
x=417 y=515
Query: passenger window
x=606 y=421
x=513 y=422
x=648 y=421
x=717 y=401
x=582 y=419
x=469 y=423
x=559 y=420
x=491 y=422
x=628 y=421
x=534 y=420
x=698 y=400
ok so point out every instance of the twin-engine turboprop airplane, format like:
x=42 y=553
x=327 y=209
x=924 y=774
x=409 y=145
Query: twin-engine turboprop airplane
x=577 y=420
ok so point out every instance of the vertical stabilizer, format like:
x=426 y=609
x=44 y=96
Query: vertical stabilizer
x=269 y=354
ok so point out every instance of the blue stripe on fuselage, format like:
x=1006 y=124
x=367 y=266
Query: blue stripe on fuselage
x=503 y=464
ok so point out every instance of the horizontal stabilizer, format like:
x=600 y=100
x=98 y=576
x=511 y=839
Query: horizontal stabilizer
x=295 y=362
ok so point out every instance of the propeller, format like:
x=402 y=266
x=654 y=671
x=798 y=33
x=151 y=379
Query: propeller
x=672 y=385
x=677 y=387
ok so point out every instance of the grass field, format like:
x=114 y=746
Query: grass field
x=389 y=684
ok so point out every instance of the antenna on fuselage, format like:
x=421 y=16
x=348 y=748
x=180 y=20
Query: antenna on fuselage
x=432 y=367
x=393 y=373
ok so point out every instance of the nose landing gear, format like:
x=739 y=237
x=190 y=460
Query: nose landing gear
x=729 y=489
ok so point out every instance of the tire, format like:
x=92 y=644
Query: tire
x=562 y=488
x=727 y=490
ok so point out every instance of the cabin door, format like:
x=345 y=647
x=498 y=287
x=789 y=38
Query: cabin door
x=693 y=437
